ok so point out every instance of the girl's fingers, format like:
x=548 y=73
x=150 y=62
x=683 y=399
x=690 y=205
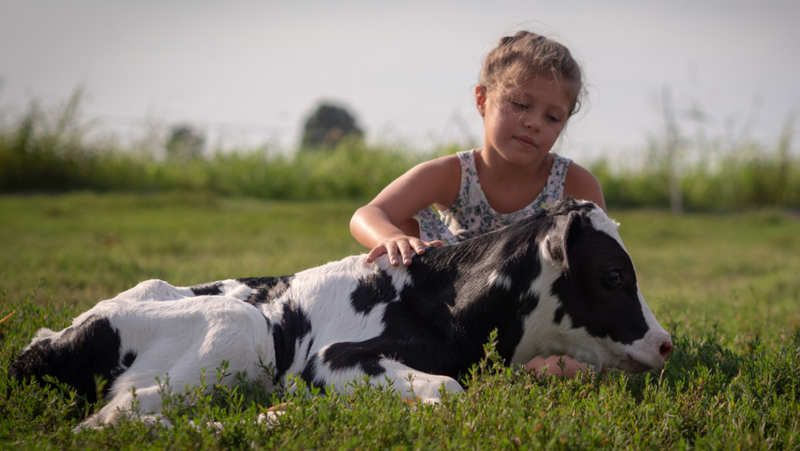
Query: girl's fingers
x=405 y=252
x=375 y=253
x=420 y=246
x=401 y=249
x=391 y=249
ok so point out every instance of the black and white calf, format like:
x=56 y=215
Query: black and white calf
x=558 y=283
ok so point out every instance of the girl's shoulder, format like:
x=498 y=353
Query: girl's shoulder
x=440 y=178
x=580 y=183
x=447 y=167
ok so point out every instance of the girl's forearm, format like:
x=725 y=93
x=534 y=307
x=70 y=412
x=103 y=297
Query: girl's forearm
x=370 y=225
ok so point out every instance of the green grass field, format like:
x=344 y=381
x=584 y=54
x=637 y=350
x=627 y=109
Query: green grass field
x=726 y=286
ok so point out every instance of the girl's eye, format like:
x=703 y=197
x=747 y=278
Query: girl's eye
x=554 y=119
x=519 y=106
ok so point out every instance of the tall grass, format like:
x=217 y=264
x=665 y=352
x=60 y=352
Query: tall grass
x=751 y=175
x=49 y=152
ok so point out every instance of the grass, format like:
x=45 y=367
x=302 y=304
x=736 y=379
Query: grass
x=725 y=285
x=90 y=247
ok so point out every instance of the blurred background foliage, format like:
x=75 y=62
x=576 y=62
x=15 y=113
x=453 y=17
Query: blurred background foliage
x=49 y=151
x=328 y=127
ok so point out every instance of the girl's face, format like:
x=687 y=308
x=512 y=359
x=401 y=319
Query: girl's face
x=522 y=124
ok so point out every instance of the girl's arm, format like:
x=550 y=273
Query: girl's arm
x=385 y=225
x=583 y=185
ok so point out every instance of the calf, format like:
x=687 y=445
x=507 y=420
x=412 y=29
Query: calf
x=559 y=282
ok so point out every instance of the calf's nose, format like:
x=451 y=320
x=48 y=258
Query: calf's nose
x=665 y=349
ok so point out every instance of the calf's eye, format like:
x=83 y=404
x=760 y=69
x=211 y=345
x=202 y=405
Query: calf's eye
x=613 y=278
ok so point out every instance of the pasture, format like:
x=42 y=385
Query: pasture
x=726 y=286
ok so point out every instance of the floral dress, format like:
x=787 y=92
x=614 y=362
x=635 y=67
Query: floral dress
x=470 y=215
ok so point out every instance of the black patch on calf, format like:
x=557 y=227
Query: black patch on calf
x=559 y=315
x=308 y=348
x=604 y=309
x=309 y=374
x=82 y=352
x=266 y=289
x=373 y=290
x=569 y=217
x=294 y=326
x=207 y=289
x=339 y=356
x=127 y=360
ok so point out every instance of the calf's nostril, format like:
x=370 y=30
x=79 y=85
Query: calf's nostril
x=665 y=349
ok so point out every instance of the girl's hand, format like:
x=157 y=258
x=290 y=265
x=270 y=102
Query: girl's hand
x=402 y=246
x=551 y=367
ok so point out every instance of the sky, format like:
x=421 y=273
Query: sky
x=249 y=72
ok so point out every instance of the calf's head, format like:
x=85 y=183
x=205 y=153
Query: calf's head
x=591 y=307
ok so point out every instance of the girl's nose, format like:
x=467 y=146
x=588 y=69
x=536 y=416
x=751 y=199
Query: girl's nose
x=531 y=121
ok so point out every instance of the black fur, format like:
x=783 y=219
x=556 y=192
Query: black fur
x=294 y=326
x=372 y=291
x=349 y=354
x=89 y=349
x=266 y=289
x=309 y=374
x=204 y=289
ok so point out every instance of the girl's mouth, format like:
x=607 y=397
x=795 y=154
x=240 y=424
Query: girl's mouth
x=525 y=141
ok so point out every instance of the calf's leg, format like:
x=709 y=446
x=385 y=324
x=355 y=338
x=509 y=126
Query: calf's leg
x=410 y=383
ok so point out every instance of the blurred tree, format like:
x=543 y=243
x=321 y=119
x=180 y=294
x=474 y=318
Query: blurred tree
x=328 y=126
x=185 y=143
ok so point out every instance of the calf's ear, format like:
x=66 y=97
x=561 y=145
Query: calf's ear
x=565 y=234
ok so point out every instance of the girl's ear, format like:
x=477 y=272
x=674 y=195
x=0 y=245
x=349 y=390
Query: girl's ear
x=480 y=99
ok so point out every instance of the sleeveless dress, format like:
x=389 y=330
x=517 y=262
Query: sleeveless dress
x=471 y=215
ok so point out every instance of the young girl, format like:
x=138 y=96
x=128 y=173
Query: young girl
x=529 y=87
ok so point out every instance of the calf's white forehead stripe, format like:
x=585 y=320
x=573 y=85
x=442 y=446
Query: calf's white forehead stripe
x=607 y=225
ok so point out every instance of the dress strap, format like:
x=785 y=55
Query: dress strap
x=554 y=188
x=431 y=225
